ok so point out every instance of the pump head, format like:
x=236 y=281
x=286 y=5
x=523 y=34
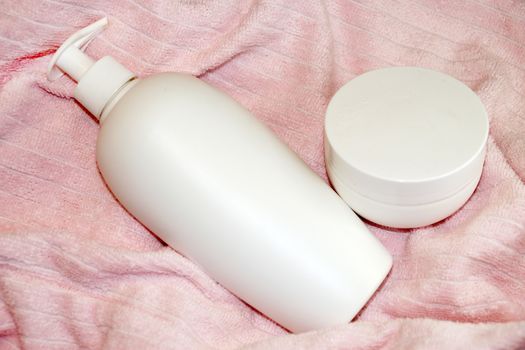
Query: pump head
x=70 y=57
x=98 y=81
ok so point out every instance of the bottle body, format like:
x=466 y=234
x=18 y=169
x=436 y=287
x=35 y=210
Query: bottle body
x=217 y=185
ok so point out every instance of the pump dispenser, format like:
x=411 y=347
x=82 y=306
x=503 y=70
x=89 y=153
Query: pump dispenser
x=219 y=187
x=97 y=81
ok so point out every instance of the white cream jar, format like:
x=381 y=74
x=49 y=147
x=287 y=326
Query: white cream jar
x=405 y=147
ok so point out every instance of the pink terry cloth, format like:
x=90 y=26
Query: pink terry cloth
x=77 y=271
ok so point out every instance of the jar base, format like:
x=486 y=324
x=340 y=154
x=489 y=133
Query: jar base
x=402 y=216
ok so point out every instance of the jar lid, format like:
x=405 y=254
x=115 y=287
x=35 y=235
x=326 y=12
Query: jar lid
x=405 y=135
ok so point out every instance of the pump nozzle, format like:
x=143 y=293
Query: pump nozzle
x=70 y=57
x=97 y=81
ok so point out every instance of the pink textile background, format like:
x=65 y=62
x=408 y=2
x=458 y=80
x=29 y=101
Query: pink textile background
x=76 y=271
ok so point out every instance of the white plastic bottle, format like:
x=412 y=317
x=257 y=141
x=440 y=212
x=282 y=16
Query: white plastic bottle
x=218 y=186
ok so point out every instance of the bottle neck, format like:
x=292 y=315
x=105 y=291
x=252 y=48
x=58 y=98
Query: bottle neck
x=100 y=83
x=112 y=102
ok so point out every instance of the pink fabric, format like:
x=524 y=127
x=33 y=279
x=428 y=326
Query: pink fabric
x=77 y=271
